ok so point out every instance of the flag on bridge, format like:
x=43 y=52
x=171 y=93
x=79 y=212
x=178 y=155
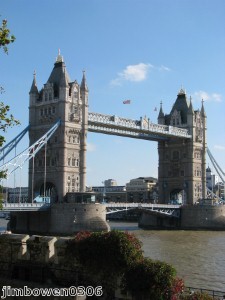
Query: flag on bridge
x=155 y=109
x=126 y=102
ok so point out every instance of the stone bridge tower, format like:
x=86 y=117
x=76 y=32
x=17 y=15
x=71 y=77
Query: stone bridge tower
x=60 y=167
x=182 y=162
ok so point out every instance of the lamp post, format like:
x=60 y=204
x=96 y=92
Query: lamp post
x=104 y=192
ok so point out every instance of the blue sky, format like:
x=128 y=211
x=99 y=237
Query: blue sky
x=143 y=50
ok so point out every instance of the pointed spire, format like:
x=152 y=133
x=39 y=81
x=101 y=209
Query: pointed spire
x=182 y=91
x=203 y=109
x=59 y=76
x=34 y=88
x=190 y=108
x=161 y=114
x=59 y=58
x=83 y=85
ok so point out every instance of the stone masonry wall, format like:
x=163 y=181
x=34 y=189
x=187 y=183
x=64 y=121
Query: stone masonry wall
x=39 y=259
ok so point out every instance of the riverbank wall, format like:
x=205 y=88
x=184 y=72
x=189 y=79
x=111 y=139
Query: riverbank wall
x=61 y=219
x=192 y=217
x=208 y=217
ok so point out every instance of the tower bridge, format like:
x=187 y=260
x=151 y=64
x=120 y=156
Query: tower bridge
x=57 y=164
x=59 y=122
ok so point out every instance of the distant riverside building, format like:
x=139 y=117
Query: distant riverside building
x=142 y=189
x=219 y=190
x=110 y=192
x=17 y=194
x=110 y=182
x=211 y=179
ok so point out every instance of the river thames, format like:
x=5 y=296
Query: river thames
x=198 y=256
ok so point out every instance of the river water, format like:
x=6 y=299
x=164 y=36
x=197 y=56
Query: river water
x=198 y=256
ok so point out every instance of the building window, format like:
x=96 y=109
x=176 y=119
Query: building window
x=73 y=162
x=176 y=155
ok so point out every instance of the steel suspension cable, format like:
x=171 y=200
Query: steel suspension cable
x=45 y=170
x=216 y=166
x=32 y=185
x=28 y=153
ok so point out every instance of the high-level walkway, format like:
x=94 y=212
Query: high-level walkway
x=140 y=129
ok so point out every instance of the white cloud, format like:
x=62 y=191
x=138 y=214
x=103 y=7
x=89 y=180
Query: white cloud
x=136 y=73
x=198 y=96
x=219 y=147
x=164 y=68
x=217 y=97
x=91 y=147
x=133 y=73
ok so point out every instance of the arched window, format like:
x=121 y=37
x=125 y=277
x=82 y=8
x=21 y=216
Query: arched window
x=176 y=155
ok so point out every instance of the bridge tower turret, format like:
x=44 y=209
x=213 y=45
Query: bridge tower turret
x=182 y=162
x=60 y=166
x=84 y=130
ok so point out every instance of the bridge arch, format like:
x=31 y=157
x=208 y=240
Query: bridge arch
x=178 y=195
x=49 y=190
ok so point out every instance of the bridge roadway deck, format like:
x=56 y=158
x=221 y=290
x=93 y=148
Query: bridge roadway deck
x=7 y=207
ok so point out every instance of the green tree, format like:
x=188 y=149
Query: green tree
x=6 y=119
x=5 y=37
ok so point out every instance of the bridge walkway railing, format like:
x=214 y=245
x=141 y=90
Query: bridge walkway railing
x=24 y=206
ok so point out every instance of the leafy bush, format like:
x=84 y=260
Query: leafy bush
x=110 y=252
x=116 y=257
x=196 y=296
x=153 y=280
